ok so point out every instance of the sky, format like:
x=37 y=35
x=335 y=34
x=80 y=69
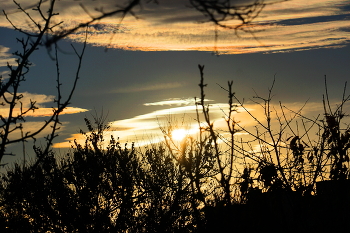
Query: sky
x=149 y=74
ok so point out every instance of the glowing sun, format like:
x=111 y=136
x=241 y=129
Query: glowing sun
x=178 y=134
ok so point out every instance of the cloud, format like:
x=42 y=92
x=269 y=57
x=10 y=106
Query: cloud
x=40 y=101
x=152 y=87
x=146 y=128
x=174 y=101
x=33 y=126
x=31 y=123
x=43 y=112
x=141 y=129
x=5 y=57
x=172 y=25
x=4 y=74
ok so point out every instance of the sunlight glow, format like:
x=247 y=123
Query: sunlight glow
x=178 y=134
x=145 y=129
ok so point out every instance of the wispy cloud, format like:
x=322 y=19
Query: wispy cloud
x=32 y=123
x=40 y=101
x=4 y=74
x=171 y=25
x=5 y=58
x=33 y=126
x=146 y=128
x=152 y=87
x=42 y=112
x=175 y=101
x=143 y=129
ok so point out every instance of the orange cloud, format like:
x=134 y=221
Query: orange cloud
x=173 y=26
x=145 y=129
x=33 y=126
x=40 y=100
x=42 y=112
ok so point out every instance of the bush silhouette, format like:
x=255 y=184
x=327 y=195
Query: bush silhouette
x=294 y=183
x=191 y=188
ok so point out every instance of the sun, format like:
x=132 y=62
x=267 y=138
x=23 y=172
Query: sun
x=178 y=134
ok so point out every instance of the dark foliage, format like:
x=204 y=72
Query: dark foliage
x=293 y=183
x=99 y=190
x=163 y=188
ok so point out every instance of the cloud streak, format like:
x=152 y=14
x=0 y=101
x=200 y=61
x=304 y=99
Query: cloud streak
x=146 y=128
x=171 y=25
x=152 y=87
x=40 y=101
x=42 y=112
x=5 y=57
x=31 y=124
x=174 y=101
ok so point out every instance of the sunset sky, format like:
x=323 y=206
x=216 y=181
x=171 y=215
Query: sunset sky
x=149 y=74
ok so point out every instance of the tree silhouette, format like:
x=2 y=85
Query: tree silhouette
x=221 y=11
x=216 y=11
x=11 y=96
x=187 y=188
x=48 y=33
x=191 y=187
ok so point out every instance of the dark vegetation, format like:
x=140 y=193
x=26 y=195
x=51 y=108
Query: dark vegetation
x=289 y=185
x=298 y=179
